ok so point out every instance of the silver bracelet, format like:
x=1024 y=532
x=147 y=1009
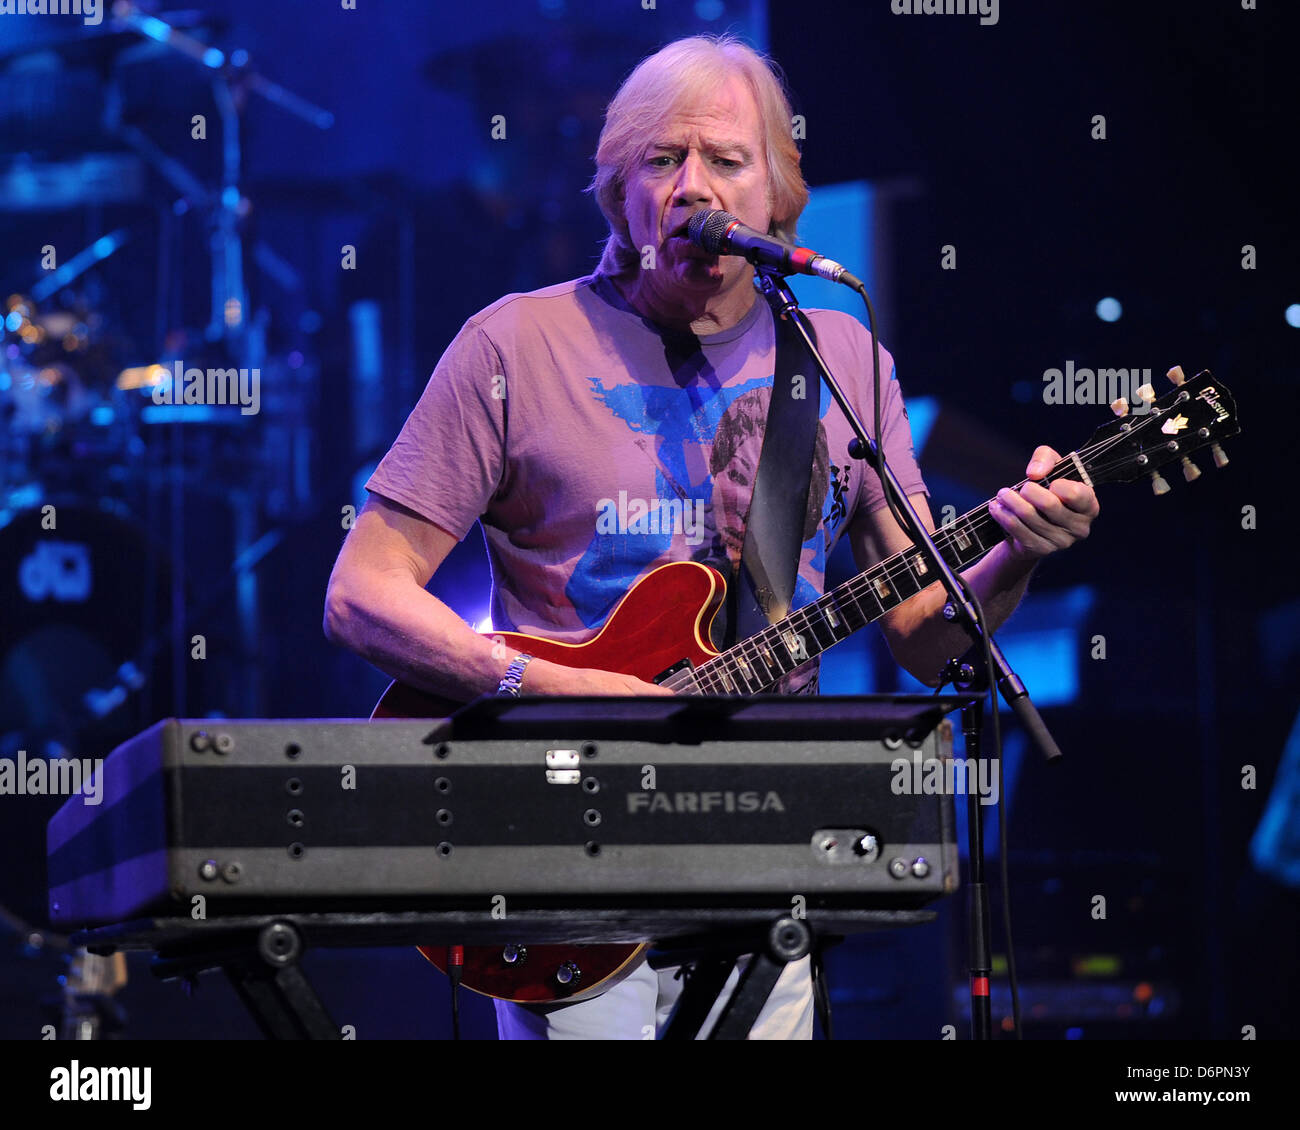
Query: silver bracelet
x=514 y=676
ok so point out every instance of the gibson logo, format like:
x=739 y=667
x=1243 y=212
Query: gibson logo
x=704 y=802
x=1210 y=395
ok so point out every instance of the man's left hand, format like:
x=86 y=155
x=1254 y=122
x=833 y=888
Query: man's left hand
x=1040 y=519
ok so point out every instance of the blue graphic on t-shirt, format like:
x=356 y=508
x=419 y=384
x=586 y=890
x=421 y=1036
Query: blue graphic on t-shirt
x=704 y=442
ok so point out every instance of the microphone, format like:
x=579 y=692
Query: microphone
x=720 y=233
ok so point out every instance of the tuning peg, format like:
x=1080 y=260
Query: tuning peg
x=1220 y=459
x=1176 y=375
x=1119 y=407
x=1158 y=484
x=1191 y=471
x=1146 y=394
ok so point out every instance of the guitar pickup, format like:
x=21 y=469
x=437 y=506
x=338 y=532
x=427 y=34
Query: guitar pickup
x=562 y=767
x=680 y=665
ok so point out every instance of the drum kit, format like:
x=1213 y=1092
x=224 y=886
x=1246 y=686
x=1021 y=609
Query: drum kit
x=96 y=477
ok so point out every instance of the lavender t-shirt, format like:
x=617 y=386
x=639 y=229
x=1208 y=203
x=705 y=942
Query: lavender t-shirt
x=594 y=446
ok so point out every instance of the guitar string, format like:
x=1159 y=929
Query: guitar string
x=890 y=570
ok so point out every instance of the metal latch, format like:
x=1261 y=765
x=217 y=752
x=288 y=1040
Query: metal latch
x=562 y=767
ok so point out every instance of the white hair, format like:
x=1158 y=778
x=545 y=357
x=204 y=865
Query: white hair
x=668 y=83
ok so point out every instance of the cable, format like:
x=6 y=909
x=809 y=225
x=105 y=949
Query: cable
x=821 y=993
x=455 y=970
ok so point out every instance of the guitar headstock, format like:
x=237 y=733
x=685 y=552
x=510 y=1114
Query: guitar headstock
x=1199 y=412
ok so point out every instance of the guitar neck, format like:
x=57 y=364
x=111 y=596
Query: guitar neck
x=757 y=663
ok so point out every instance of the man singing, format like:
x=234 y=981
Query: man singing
x=570 y=420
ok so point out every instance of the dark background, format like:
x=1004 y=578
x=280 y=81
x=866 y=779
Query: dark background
x=976 y=136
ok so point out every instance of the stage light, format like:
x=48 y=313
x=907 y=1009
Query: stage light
x=1109 y=310
x=1293 y=315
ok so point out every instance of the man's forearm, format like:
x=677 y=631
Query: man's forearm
x=999 y=579
x=411 y=635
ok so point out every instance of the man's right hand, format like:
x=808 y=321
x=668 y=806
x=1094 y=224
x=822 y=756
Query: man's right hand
x=544 y=677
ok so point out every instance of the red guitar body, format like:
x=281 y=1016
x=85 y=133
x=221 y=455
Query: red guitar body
x=663 y=619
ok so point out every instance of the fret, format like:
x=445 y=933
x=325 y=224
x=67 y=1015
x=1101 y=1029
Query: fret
x=867 y=600
x=741 y=666
x=813 y=619
x=705 y=677
x=732 y=672
x=906 y=584
x=775 y=650
x=761 y=670
x=740 y=669
x=962 y=543
x=848 y=608
x=973 y=532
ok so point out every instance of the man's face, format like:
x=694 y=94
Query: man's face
x=711 y=157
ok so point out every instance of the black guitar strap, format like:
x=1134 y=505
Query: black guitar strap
x=764 y=587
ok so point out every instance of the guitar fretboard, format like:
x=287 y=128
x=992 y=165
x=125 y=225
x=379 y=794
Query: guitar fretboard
x=755 y=664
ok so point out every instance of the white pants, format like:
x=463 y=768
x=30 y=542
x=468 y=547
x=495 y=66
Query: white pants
x=640 y=1006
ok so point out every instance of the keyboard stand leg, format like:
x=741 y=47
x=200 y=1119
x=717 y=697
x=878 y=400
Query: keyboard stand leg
x=786 y=940
x=282 y=1002
x=265 y=973
x=704 y=982
x=752 y=990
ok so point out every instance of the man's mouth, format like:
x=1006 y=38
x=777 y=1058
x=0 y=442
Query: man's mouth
x=682 y=230
x=685 y=245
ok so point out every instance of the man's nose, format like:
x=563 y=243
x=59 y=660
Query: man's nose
x=693 y=182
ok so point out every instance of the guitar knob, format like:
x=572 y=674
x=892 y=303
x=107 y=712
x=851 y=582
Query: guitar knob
x=1158 y=484
x=1119 y=407
x=1146 y=394
x=1220 y=459
x=1191 y=472
x=1176 y=375
x=568 y=974
x=514 y=955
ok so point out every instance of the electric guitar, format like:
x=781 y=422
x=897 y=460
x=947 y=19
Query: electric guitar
x=659 y=632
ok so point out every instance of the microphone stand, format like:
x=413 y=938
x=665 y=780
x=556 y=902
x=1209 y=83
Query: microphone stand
x=959 y=610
